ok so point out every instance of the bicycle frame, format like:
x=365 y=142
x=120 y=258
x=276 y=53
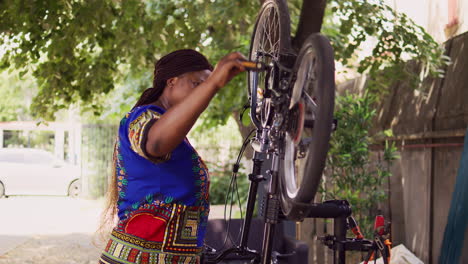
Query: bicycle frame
x=272 y=122
x=283 y=77
x=339 y=210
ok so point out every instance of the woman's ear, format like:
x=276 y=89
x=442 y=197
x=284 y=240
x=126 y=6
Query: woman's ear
x=171 y=82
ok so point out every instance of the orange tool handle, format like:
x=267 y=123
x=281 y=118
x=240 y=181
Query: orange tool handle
x=254 y=66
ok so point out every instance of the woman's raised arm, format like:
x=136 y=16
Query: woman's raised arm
x=173 y=126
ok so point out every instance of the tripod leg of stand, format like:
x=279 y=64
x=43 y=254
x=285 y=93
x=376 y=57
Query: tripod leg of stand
x=255 y=178
x=249 y=213
x=340 y=234
x=268 y=242
x=271 y=213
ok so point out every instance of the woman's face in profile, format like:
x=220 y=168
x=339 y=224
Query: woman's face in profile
x=184 y=84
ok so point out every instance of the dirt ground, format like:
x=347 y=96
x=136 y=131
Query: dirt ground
x=52 y=230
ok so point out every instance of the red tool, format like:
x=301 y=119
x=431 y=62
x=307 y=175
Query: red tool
x=379 y=225
x=355 y=228
x=381 y=242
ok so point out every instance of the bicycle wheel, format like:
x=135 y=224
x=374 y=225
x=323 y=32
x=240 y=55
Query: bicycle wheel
x=270 y=38
x=307 y=138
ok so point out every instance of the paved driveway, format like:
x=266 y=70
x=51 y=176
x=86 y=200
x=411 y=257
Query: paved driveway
x=48 y=230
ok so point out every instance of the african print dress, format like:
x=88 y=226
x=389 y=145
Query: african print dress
x=163 y=202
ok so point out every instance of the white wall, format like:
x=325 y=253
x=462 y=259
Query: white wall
x=433 y=15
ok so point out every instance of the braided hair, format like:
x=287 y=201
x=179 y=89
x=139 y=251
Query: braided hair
x=169 y=66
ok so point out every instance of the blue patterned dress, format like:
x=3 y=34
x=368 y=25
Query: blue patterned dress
x=163 y=202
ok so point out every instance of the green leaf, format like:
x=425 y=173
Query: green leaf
x=246 y=120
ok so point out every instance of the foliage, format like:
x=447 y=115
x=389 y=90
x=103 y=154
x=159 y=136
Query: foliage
x=397 y=38
x=79 y=50
x=352 y=174
x=219 y=146
x=96 y=156
x=101 y=52
x=16 y=93
x=29 y=139
x=221 y=180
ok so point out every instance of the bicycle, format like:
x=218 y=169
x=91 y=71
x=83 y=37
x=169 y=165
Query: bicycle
x=291 y=96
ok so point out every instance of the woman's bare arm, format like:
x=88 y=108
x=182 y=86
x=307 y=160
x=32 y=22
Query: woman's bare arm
x=173 y=126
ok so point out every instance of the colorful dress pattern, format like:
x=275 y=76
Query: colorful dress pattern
x=163 y=201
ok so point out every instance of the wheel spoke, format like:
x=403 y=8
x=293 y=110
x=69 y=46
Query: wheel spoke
x=277 y=33
x=312 y=74
x=269 y=37
x=266 y=45
x=265 y=48
x=310 y=103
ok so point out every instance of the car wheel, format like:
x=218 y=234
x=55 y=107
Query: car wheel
x=74 y=190
x=2 y=190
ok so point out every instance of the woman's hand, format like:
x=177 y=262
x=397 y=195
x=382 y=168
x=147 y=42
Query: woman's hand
x=226 y=69
x=179 y=119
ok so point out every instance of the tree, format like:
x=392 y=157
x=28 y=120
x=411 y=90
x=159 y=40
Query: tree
x=96 y=52
x=16 y=93
x=79 y=51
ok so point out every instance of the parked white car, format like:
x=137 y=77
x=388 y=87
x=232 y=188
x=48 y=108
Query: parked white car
x=27 y=171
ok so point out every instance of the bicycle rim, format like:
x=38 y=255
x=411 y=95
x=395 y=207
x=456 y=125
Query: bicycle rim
x=270 y=38
x=311 y=114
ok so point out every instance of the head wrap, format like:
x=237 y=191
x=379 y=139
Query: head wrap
x=172 y=65
x=177 y=63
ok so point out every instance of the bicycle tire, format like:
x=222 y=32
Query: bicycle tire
x=270 y=38
x=316 y=63
x=310 y=21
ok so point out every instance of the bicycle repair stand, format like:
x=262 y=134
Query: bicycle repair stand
x=242 y=250
x=339 y=210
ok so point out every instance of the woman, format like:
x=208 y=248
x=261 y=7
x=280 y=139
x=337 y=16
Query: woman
x=160 y=189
